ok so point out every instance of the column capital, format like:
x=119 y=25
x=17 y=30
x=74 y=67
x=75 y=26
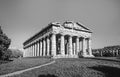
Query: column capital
x=53 y=32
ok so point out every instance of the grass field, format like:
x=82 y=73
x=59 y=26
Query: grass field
x=76 y=68
x=21 y=63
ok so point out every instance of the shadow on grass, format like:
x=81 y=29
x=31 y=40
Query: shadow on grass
x=107 y=70
x=48 y=75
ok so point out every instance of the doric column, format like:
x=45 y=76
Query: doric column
x=117 y=52
x=35 y=50
x=77 y=45
x=44 y=47
x=48 y=46
x=70 y=45
x=53 y=49
x=28 y=52
x=89 y=46
x=31 y=50
x=62 y=45
x=80 y=45
x=40 y=47
x=83 y=47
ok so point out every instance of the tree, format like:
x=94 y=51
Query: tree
x=4 y=44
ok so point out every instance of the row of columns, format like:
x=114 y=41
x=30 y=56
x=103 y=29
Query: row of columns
x=48 y=46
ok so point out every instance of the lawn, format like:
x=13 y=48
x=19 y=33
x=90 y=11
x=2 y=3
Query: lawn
x=22 y=63
x=81 y=67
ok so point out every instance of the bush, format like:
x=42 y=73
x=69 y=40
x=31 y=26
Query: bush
x=97 y=54
x=6 y=55
x=108 y=54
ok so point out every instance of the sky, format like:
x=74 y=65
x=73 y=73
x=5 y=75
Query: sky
x=21 y=19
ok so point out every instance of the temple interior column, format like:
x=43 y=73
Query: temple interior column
x=48 y=46
x=62 y=45
x=70 y=45
x=53 y=44
x=74 y=48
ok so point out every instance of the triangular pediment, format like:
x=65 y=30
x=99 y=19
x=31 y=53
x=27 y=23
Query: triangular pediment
x=78 y=26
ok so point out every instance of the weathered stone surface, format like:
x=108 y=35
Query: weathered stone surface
x=60 y=40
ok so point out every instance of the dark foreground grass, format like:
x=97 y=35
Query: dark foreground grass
x=22 y=63
x=4 y=61
x=76 y=68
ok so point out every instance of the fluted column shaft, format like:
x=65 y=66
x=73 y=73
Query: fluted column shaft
x=48 y=46
x=29 y=52
x=89 y=46
x=83 y=47
x=70 y=45
x=62 y=45
x=32 y=50
x=35 y=49
x=53 y=44
x=44 y=47
x=77 y=45
x=40 y=48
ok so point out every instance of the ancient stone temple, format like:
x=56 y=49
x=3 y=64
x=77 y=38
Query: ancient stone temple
x=67 y=40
